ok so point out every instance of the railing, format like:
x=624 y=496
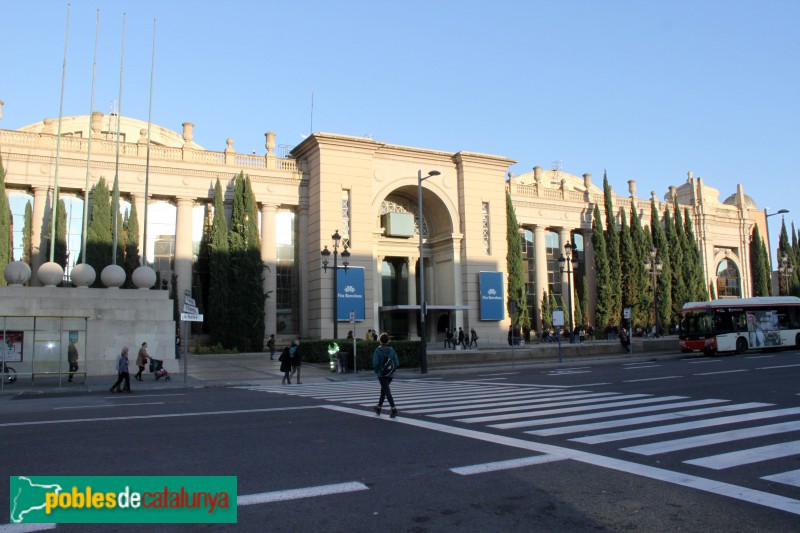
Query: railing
x=164 y=153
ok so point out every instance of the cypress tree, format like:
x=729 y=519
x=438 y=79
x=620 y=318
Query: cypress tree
x=99 y=233
x=132 y=257
x=759 y=275
x=6 y=227
x=202 y=266
x=698 y=288
x=256 y=297
x=628 y=264
x=516 y=269
x=547 y=312
x=604 y=299
x=577 y=305
x=664 y=285
x=60 y=249
x=219 y=294
x=641 y=281
x=27 y=233
x=678 y=284
x=612 y=249
x=585 y=301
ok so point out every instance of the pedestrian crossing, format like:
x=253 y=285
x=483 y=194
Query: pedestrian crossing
x=637 y=424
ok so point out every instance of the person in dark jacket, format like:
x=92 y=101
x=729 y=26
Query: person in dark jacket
x=122 y=372
x=383 y=353
x=294 y=351
x=286 y=365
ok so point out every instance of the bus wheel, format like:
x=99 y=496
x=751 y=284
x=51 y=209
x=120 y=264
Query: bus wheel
x=741 y=346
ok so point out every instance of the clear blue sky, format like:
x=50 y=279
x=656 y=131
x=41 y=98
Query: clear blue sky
x=645 y=90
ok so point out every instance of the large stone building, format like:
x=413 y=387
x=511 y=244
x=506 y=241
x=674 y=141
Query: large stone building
x=367 y=191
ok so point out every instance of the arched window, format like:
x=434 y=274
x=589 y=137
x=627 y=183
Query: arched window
x=728 y=280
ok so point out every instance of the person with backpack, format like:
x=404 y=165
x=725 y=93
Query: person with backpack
x=286 y=365
x=385 y=362
x=294 y=353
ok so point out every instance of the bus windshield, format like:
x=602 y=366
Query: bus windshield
x=696 y=324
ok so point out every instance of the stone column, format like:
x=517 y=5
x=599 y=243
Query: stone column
x=412 y=296
x=39 y=230
x=269 y=257
x=302 y=268
x=377 y=287
x=540 y=269
x=183 y=248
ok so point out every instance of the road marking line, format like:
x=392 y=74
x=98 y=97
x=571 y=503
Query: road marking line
x=775 y=367
x=650 y=379
x=745 y=457
x=721 y=372
x=704 y=361
x=757 y=497
x=152 y=416
x=787 y=478
x=106 y=406
x=758 y=356
x=25 y=528
x=638 y=367
x=295 y=494
x=506 y=465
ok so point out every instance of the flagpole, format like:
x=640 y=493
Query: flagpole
x=89 y=146
x=147 y=164
x=54 y=207
x=115 y=209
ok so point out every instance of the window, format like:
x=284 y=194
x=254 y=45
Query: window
x=346 y=218
x=486 y=241
x=728 y=280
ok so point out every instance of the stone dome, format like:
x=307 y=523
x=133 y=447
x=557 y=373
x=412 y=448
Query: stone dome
x=749 y=203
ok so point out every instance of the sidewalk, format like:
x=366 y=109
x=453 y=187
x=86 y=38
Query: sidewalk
x=199 y=371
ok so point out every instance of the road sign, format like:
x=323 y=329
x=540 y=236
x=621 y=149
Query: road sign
x=558 y=318
x=191 y=317
x=188 y=308
x=626 y=312
x=189 y=301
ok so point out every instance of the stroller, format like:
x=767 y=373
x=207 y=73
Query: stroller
x=157 y=368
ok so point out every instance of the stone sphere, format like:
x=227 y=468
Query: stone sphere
x=51 y=274
x=144 y=277
x=83 y=275
x=113 y=276
x=17 y=273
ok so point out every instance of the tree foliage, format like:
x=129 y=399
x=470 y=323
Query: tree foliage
x=604 y=300
x=612 y=251
x=219 y=294
x=516 y=269
x=99 y=234
x=758 y=273
x=6 y=226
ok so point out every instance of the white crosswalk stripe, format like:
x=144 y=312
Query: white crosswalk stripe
x=550 y=412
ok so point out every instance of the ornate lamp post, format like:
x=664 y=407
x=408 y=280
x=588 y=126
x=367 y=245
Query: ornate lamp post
x=567 y=263
x=785 y=268
x=345 y=262
x=654 y=266
x=423 y=335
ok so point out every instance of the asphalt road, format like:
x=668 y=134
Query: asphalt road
x=691 y=444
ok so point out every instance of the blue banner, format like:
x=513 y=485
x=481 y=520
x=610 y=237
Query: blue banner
x=492 y=296
x=350 y=293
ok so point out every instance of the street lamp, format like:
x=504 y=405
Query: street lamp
x=785 y=268
x=568 y=263
x=345 y=262
x=654 y=266
x=423 y=309
x=766 y=221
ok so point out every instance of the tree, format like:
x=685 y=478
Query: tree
x=219 y=295
x=132 y=257
x=759 y=274
x=603 y=305
x=60 y=249
x=698 y=288
x=6 y=226
x=27 y=233
x=547 y=312
x=99 y=234
x=663 y=285
x=628 y=263
x=612 y=249
x=678 y=284
x=516 y=268
x=642 y=286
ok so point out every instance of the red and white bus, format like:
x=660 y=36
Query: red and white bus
x=740 y=324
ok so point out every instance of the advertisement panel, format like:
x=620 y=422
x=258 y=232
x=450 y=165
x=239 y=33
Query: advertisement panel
x=350 y=293
x=11 y=346
x=492 y=296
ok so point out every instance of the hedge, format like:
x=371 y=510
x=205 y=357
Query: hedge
x=316 y=351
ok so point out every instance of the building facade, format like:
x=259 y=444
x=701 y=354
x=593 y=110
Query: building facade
x=368 y=192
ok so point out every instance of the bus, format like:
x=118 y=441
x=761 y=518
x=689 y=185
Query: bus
x=740 y=324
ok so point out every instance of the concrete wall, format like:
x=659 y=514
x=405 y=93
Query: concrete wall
x=105 y=320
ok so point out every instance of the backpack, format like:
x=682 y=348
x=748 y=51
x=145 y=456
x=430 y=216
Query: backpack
x=388 y=367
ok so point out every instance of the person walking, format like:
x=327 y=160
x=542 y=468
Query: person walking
x=460 y=339
x=141 y=360
x=72 y=359
x=122 y=373
x=271 y=346
x=625 y=340
x=448 y=338
x=286 y=366
x=294 y=353
x=177 y=346
x=473 y=338
x=385 y=362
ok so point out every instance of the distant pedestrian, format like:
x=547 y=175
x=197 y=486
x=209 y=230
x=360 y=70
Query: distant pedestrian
x=141 y=360
x=385 y=362
x=350 y=335
x=448 y=337
x=460 y=339
x=473 y=338
x=286 y=365
x=72 y=359
x=294 y=352
x=177 y=346
x=625 y=340
x=510 y=336
x=271 y=346
x=122 y=373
